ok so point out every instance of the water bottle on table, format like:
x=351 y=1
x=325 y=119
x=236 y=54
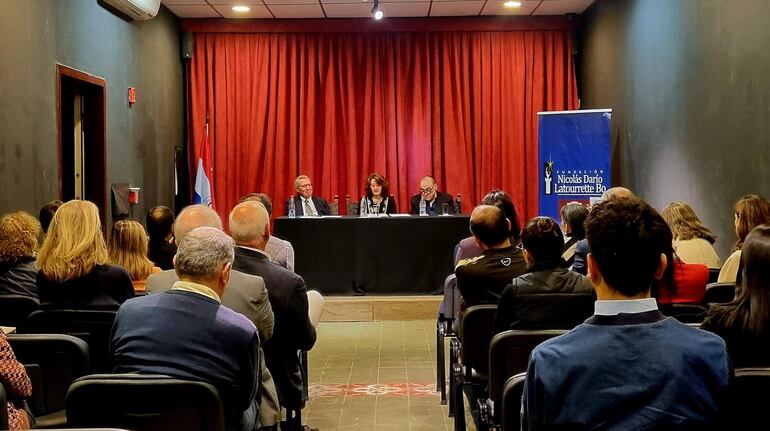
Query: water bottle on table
x=292 y=210
x=364 y=209
x=423 y=207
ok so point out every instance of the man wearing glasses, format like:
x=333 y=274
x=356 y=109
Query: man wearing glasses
x=434 y=199
x=305 y=204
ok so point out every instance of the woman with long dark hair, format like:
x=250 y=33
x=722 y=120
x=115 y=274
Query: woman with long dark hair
x=750 y=211
x=377 y=199
x=744 y=323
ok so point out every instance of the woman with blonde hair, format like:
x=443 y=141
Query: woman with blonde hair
x=74 y=270
x=19 y=233
x=750 y=212
x=692 y=239
x=128 y=248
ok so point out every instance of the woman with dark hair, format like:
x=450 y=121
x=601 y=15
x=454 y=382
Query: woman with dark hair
x=377 y=199
x=542 y=243
x=467 y=248
x=750 y=212
x=681 y=283
x=744 y=323
x=573 y=215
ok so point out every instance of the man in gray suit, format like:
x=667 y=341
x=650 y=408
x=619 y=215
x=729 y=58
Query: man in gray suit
x=245 y=294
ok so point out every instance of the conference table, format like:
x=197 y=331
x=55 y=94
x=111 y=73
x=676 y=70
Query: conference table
x=348 y=255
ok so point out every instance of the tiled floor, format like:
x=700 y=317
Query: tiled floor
x=375 y=376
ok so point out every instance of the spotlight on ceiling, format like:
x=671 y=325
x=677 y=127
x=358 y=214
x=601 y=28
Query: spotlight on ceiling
x=512 y=4
x=241 y=9
x=376 y=12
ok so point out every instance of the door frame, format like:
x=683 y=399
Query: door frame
x=96 y=181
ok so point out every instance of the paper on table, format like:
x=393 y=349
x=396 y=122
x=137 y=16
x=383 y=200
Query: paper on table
x=400 y=215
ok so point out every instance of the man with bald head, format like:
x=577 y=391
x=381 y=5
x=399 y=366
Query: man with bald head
x=245 y=294
x=187 y=333
x=434 y=199
x=481 y=279
x=250 y=228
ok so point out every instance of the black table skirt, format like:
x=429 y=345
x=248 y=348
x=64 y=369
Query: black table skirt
x=374 y=256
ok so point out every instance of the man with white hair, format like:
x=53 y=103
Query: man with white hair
x=187 y=333
x=305 y=204
x=250 y=228
x=245 y=294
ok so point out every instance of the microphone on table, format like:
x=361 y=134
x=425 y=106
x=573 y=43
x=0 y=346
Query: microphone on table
x=459 y=204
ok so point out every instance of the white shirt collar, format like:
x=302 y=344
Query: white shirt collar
x=629 y=306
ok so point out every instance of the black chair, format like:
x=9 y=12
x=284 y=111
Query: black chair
x=713 y=275
x=531 y=311
x=92 y=326
x=685 y=313
x=719 y=293
x=294 y=415
x=747 y=400
x=476 y=330
x=510 y=413
x=443 y=330
x=53 y=362
x=144 y=403
x=508 y=355
x=14 y=309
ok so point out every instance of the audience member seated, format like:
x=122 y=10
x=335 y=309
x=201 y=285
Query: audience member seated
x=481 y=279
x=573 y=215
x=46 y=213
x=744 y=323
x=128 y=248
x=377 y=199
x=245 y=294
x=547 y=273
x=305 y=204
x=682 y=283
x=750 y=212
x=280 y=251
x=187 y=333
x=693 y=241
x=250 y=227
x=467 y=248
x=18 y=387
x=580 y=261
x=74 y=271
x=434 y=199
x=160 y=227
x=19 y=233
x=628 y=367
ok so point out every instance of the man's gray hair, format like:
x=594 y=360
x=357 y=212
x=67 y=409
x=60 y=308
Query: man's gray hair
x=300 y=178
x=203 y=252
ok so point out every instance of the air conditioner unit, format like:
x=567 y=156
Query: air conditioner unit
x=139 y=10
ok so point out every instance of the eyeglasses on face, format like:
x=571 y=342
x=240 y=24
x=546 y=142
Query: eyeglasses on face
x=427 y=189
x=305 y=186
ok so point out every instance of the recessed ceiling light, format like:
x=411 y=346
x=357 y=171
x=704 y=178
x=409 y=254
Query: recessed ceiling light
x=512 y=4
x=241 y=8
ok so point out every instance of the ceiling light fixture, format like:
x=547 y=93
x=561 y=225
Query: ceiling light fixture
x=376 y=12
x=512 y=4
x=241 y=8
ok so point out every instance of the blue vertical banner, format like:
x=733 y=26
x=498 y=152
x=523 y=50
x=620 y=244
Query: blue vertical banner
x=574 y=158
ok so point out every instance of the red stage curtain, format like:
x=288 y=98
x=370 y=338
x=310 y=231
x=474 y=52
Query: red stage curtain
x=337 y=106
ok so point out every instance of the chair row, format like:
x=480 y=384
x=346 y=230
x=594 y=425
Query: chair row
x=63 y=393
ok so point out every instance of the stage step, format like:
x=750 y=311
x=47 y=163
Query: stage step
x=378 y=308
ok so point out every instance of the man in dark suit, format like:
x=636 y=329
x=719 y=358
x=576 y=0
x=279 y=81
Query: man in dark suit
x=250 y=227
x=305 y=204
x=160 y=224
x=434 y=199
x=187 y=333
